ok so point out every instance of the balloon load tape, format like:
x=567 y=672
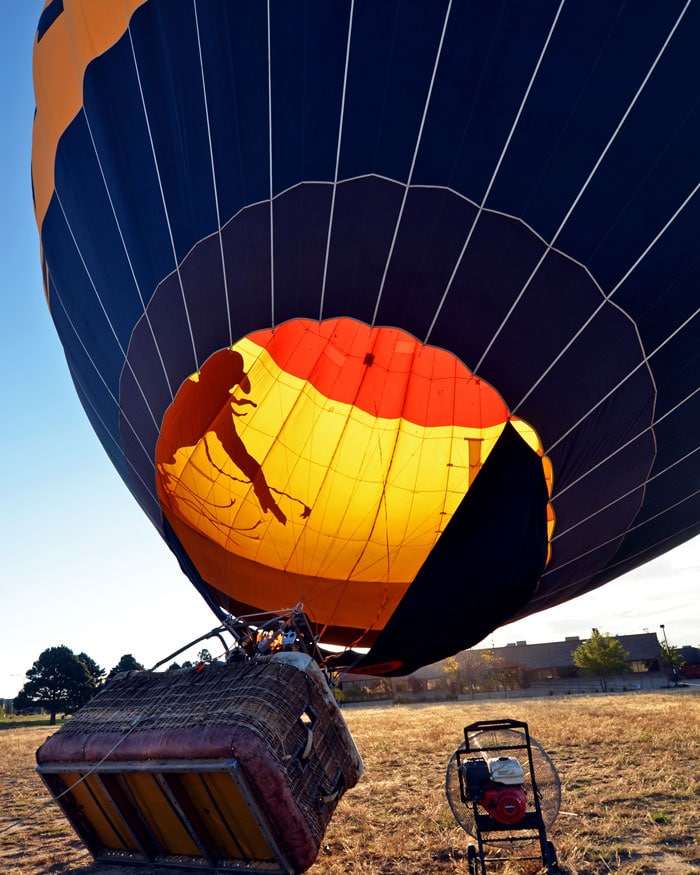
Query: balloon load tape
x=235 y=765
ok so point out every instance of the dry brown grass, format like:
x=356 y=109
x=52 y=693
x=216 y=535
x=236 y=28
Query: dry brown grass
x=629 y=764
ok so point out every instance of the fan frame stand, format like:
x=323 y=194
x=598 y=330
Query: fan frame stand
x=488 y=830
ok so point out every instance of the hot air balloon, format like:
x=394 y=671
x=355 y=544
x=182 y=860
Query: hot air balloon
x=389 y=308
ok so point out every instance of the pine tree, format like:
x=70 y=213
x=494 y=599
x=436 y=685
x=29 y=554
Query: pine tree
x=58 y=681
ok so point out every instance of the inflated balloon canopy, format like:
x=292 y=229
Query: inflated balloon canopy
x=323 y=462
x=386 y=308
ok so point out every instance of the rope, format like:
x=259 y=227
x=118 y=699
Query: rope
x=135 y=722
x=265 y=618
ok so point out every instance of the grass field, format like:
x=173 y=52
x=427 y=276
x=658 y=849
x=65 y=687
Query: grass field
x=629 y=765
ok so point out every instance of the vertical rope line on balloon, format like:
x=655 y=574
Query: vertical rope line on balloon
x=329 y=469
x=413 y=162
x=381 y=507
x=391 y=471
x=265 y=401
x=104 y=383
x=162 y=195
x=614 y=389
x=341 y=122
x=276 y=487
x=213 y=175
x=123 y=242
x=607 y=297
x=585 y=185
x=341 y=585
x=628 y=442
x=627 y=494
x=496 y=170
x=216 y=200
x=99 y=301
x=612 y=540
x=626 y=560
x=388 y=467
x=269 y=134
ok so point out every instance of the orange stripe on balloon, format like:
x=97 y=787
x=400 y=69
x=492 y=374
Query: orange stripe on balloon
x=383 y=371
x=81 y=33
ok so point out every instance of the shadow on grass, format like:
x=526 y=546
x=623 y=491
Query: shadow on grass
x=28 y=722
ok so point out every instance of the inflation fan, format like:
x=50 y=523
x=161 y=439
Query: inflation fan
x=505 y=792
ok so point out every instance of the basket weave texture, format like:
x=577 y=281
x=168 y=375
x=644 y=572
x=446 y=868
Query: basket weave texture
x=277 y=717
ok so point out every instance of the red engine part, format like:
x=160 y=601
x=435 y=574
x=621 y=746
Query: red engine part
x=506 y=804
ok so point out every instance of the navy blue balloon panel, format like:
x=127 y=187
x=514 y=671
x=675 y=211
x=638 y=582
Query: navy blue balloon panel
x=512 y=185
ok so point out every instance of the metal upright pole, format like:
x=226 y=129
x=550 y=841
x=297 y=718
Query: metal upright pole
x=668 y=656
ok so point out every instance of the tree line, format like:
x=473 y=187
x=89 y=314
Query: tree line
x=61 y=681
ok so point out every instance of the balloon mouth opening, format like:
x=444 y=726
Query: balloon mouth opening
x=322 y=461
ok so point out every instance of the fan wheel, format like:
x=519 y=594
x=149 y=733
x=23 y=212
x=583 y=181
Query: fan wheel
x=552 y=861
x=472 y=860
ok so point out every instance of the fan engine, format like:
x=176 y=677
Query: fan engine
x=497 y=784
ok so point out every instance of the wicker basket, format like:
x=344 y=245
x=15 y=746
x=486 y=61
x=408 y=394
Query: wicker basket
x=235 y=767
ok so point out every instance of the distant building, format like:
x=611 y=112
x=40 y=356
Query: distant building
x=517 y=666
x=691 y=665
x=555 y=660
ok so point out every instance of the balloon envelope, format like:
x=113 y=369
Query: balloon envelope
x=389 y=309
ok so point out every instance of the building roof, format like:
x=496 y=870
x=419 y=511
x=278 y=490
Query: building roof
x=553 y=654
x=691 y=655
x=560 y=653
x=556 y=654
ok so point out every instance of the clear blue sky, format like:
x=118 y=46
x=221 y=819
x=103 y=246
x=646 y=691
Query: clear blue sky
x=80 y=563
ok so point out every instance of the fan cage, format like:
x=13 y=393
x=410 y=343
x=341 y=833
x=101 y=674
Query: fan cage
x=497 y=742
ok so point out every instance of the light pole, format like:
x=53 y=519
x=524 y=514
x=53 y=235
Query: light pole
x=667 y=654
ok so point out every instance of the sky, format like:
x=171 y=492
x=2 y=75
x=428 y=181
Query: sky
x=80 y=564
